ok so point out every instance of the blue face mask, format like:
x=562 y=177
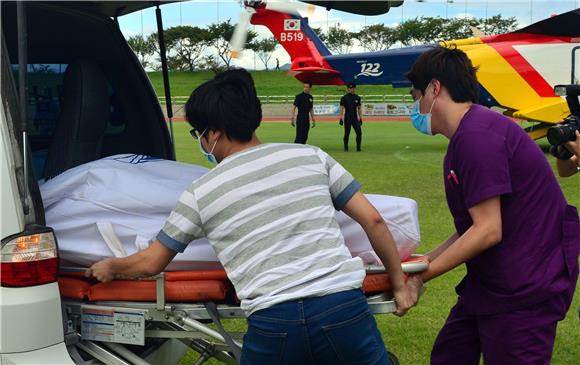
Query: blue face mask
x=209 y=155
x=421 y=122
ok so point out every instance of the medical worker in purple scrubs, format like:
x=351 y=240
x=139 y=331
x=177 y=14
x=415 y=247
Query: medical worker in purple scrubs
x=515 y=232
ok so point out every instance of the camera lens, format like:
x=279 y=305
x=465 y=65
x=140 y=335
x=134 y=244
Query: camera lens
x=562 y=133
x=557 y=135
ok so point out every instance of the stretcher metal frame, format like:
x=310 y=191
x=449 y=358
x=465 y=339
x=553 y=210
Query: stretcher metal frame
x=187 y=323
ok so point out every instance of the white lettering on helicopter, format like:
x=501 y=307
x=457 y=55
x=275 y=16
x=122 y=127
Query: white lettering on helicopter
x=291 y=37
x=370 y=69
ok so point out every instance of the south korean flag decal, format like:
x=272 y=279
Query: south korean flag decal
x=291 y=24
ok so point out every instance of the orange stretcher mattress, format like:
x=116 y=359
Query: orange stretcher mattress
x=191 y=286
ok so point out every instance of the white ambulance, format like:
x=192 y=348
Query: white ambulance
x=87 y=97
x=74 y=92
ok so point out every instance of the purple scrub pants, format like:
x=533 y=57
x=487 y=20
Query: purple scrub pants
x=523 y=336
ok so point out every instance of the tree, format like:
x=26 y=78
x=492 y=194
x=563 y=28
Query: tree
x=318 y=31
x=377 y=37
x=459 y=28
x=410 y=32
x=264 y=49
x=185 y=47
x=421 y=31
x=220 y=35
x=433 y=30
x=498 y=25
x=144 y=48
x=339 y=40
x=211 y=63
x=456 y=28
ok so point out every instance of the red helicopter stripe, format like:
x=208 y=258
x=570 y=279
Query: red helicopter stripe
x=504 y=45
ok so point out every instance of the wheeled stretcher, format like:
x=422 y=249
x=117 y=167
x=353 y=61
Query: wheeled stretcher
x=106 y=208
x=156 y=320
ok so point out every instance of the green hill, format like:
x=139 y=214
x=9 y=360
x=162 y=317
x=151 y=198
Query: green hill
x=268 y=83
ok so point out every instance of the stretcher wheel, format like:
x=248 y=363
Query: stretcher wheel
x=393 y=360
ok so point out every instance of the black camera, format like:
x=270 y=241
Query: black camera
x=566 y=130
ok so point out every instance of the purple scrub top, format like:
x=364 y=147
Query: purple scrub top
x=489 y=155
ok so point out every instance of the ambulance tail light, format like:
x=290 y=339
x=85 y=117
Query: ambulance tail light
x=29 y=258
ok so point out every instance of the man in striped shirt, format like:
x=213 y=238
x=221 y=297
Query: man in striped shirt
x=268 y=210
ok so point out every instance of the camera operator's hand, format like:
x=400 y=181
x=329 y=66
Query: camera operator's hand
x=292 y=121
x=570 y=166
x=574 y=146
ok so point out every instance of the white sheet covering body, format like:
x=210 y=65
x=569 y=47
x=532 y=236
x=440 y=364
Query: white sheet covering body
x=116 y=206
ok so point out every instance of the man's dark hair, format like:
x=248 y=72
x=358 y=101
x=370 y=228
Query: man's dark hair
x=452 y=68
x=307 y=82
x=227 y=103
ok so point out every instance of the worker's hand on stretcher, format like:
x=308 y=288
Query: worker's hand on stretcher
x=102 y=270
x=145 y=263
x=407 y=296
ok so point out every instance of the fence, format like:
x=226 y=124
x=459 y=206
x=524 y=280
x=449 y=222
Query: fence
x=288 y=99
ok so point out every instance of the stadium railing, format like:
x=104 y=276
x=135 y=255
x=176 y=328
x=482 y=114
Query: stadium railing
x=287 y=99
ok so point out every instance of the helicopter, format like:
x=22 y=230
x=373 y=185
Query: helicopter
x=517 y=71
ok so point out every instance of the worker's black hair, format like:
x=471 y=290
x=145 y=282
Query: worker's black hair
x=452 y=68
x=227 y=103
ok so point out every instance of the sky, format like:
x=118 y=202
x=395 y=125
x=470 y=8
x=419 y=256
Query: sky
x=202 y=13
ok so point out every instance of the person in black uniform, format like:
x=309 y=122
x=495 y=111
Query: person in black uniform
x=304 y=102
x=350 y=115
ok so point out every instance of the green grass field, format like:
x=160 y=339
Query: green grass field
x=271 y=83
x=396 y=160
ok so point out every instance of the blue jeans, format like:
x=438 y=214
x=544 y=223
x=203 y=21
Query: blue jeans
x=333 y=329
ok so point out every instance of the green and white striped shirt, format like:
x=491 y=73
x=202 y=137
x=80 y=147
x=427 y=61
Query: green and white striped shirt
x=269 y=213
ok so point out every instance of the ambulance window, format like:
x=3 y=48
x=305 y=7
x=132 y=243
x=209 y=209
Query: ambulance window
x=45 y=93
x=44 y=97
